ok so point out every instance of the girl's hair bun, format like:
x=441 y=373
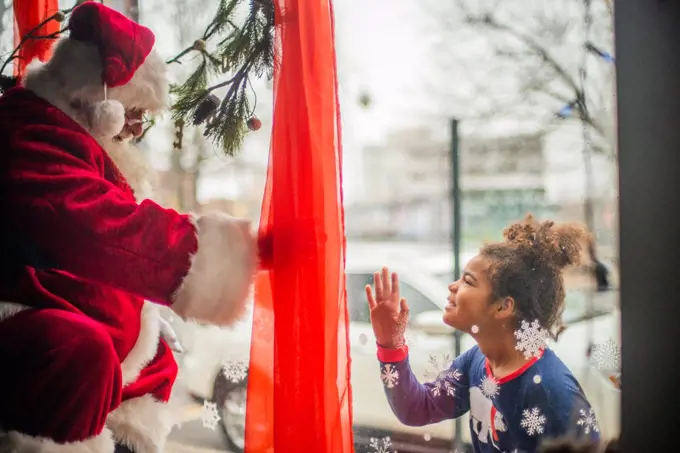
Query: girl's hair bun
x=557 y=245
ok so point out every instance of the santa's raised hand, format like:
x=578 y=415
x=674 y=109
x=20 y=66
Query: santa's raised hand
x=389 y=312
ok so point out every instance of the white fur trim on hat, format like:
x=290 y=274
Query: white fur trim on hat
x=106 y=118
x=73 y=76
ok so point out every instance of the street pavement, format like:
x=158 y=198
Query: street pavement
x=192 y=437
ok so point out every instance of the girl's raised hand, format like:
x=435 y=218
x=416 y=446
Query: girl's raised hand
x=389 y=312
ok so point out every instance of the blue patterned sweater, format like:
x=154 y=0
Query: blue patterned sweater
x=511 y=414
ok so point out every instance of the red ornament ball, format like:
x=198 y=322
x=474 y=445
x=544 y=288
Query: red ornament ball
x=254 y=124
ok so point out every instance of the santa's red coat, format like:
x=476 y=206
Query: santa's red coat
x=78 y=259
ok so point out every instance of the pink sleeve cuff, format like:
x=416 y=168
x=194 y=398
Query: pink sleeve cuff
x=386 y=355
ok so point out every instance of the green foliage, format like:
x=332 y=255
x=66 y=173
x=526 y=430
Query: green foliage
x=239 y=52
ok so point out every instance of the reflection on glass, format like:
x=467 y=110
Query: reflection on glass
x=522 y=149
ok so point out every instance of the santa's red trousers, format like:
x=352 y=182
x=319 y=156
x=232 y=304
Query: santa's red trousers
x=63 y=376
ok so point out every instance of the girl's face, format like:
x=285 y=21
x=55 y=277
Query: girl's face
x=471 y=299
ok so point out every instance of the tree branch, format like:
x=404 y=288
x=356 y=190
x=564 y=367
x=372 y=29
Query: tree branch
x=177 y=58
x=490 y=21
x=30 y=35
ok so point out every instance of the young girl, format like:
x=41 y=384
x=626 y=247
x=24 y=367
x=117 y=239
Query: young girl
x=510 y=299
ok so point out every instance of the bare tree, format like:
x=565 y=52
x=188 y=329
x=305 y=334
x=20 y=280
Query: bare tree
x=524 y=58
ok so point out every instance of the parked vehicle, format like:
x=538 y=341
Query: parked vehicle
x=209 y=348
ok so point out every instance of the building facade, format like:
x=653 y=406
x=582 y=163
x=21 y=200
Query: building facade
x=407 y=182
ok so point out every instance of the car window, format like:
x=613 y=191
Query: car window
x=358 y=307
x=445 y=277
x=417 y=301
x=356 y=297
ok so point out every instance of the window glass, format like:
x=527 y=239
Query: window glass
x=509 y=73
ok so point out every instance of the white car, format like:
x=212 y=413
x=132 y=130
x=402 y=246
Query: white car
x=431 y=344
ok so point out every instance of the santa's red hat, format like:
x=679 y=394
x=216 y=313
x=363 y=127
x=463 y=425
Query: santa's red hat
x=123 y=44
x=106 y=64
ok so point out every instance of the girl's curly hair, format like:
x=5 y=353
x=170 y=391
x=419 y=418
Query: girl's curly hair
x=527 y=265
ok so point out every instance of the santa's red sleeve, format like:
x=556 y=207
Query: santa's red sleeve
x=61 y=200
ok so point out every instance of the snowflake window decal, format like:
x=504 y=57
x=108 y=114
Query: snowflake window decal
x=383 y=445
x=533 y=421
x=587 y=421
x=389 y=376
x=490 y=387
x=442 y=376
x=235 y=371
x=531 y=339
x=210 y=417
x=607 y=356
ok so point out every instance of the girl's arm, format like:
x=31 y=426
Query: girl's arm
x=417 y=404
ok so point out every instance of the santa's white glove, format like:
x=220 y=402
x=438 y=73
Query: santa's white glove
x=168 y=333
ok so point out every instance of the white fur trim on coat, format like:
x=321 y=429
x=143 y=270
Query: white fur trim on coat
x=217 y=286
x=14 y=442
x=8 y=309
x=143 y=424
x=145 y=347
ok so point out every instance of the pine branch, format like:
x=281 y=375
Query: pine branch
x=242 y=51
x=7 y=82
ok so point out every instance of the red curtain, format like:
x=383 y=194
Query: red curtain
x=28 y=14
x=299 y=396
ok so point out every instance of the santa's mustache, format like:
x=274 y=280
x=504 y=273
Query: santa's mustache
x=134 y=125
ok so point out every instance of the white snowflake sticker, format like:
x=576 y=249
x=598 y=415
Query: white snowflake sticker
x=235 y=371
x=209 y=415
x=490 y=387
x=439 y=366
x=533 y=421
x=442 y=376
x=383 y=445
x=531 y=338
x=389 y=376
x=607 y=356
x=587 y=421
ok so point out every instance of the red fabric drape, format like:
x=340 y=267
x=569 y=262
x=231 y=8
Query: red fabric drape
x=299 y=395
x=28 y=14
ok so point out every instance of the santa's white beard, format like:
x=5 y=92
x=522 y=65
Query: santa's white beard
x=132 y=165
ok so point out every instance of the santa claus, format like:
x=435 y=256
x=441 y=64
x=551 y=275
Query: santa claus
x=83 y=264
